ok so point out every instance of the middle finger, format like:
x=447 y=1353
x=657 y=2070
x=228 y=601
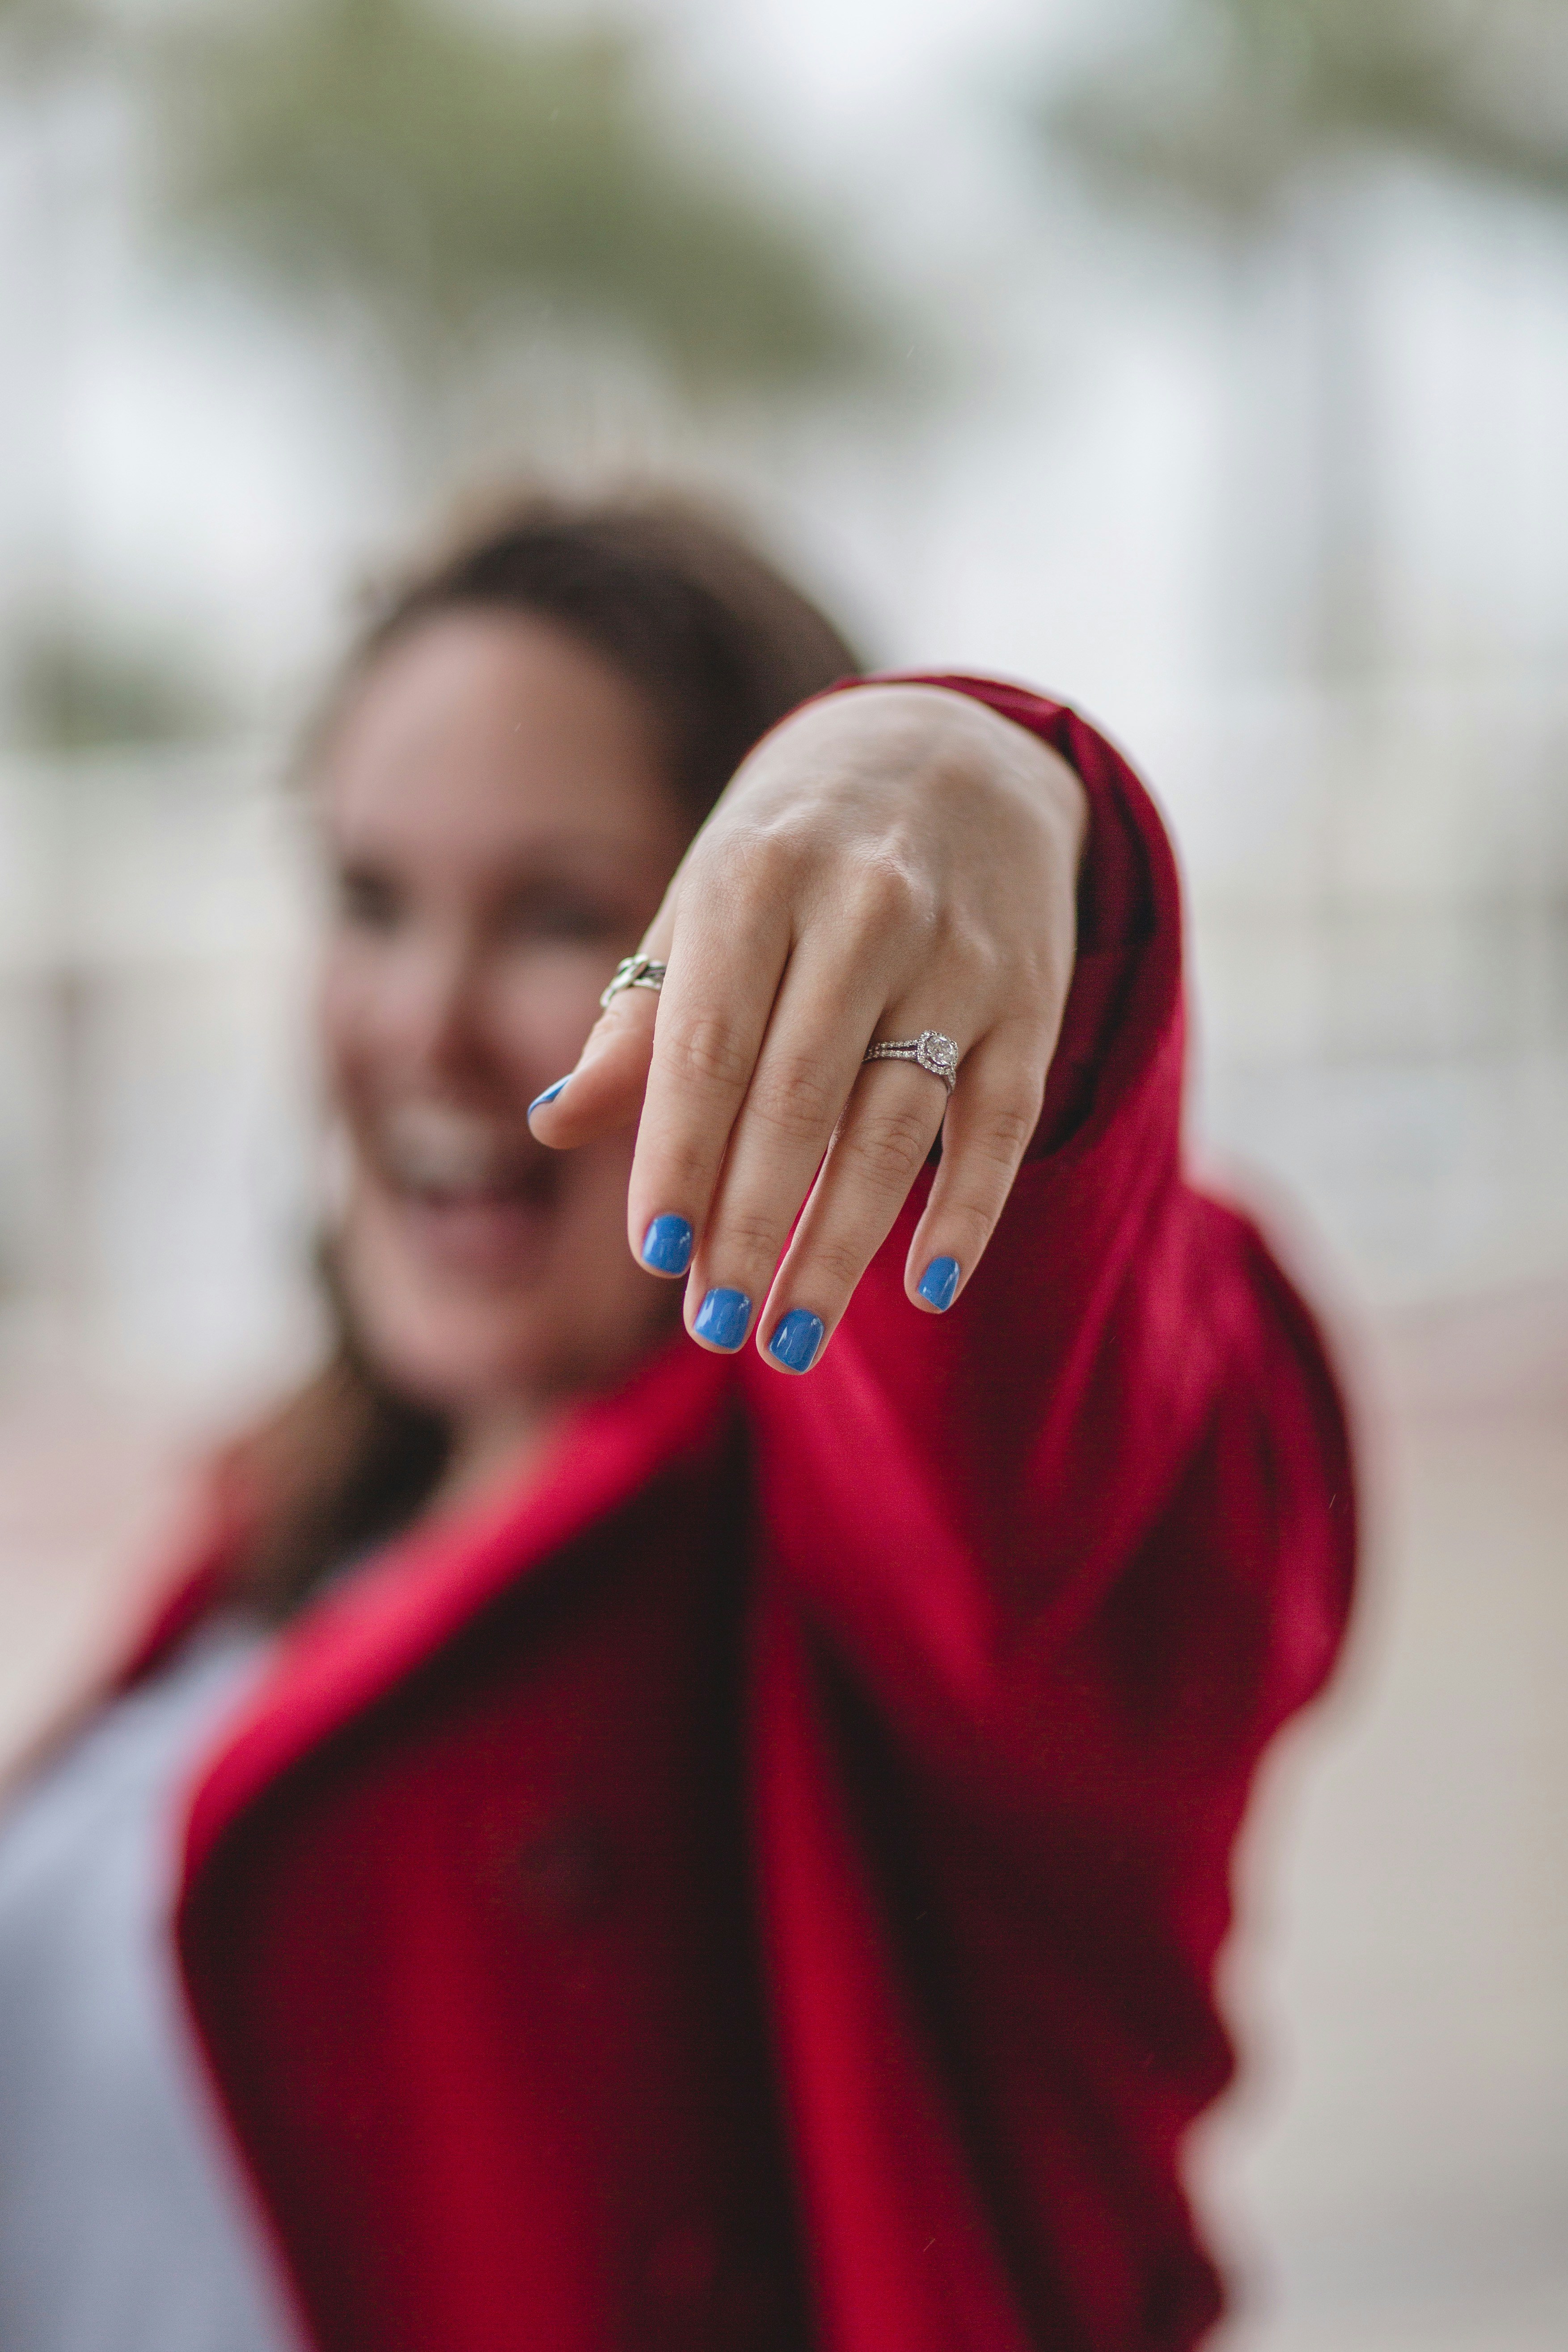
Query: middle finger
x=751 y=1064
x=804 y=1075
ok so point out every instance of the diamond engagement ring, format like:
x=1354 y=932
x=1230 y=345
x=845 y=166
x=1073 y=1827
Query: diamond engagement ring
x=634 y=972
x=937 y=1054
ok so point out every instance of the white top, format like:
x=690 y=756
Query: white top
x=126 y=2224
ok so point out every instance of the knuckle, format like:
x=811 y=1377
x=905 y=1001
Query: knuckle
x=1002 y=1136
x=776 y=857
x=708 y=1049
x=978 y=959
x=753 y=866
x=683 y=1170
x=882 y=895
x=747 y=1237
x=1044 y=966
x=792 y=1097
x=971 y=1223
x=888 y=1146
x=837 y=1263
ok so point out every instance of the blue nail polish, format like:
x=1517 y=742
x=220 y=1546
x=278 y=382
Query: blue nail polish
x=722 y=1317
x=549 y=1095
x=796 y=1339
x=937 y=1283
x=667 y=1245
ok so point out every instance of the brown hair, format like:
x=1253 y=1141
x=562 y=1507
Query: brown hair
x=723 y=647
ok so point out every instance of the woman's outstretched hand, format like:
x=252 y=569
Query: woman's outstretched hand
x=888 y=860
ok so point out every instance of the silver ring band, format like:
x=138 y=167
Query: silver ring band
x=936 y=1055
x=634 y=972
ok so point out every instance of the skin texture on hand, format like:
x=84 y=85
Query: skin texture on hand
x=889 y=859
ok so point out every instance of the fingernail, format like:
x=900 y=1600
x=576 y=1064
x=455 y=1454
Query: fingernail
x=549 y=1095
x=796 y=1339
x=937 y=1283
x=722 y=1317
x=667 y=1245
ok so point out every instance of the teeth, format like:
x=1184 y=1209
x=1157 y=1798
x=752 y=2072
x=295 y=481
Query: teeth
x=435 y=1148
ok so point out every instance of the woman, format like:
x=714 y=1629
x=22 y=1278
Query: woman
x=711 y=1837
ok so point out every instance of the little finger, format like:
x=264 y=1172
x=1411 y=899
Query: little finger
x=994 y=1113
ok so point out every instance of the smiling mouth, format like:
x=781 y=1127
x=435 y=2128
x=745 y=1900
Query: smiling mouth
x=460 y=1167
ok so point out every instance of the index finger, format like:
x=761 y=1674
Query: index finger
x=604 y=1085
x=683 y=1057
x=726 y=961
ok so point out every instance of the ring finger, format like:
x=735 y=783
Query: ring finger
x=882 y=1143
x=888 y=1127
x=883 y=1140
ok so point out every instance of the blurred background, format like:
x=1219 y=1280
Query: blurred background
x=1205 y=361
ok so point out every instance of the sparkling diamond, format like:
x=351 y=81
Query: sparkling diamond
x=937 y=1053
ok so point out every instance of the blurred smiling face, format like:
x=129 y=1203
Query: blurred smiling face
x=500 y=830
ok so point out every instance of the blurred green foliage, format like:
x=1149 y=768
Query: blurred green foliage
x=451 y=173
x=478 y=187
x=76 y=690
x=1223 y=105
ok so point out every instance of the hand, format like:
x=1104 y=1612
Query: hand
x=889 y=859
